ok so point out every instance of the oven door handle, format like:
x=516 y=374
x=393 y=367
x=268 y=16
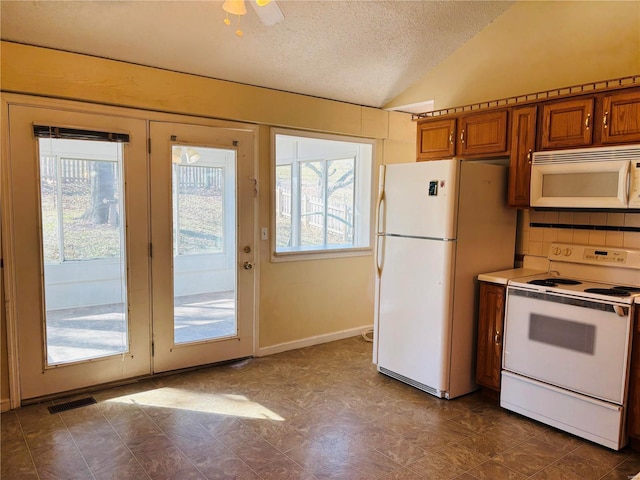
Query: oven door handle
x=620 y=310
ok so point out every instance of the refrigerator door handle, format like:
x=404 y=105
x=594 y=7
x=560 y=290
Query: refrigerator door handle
x=379 y=248
x=379 y=218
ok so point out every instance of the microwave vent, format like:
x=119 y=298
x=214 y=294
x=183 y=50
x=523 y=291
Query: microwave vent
x=588 y=155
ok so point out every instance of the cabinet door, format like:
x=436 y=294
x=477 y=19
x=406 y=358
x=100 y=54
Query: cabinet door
x=490 y=323
x=523 y=142
x=567 y=124
x=633 y=401
x=621 y=118
x=483 y=133
x=436 y=139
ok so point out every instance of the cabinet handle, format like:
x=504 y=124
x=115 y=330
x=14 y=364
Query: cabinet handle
x=451 y=137
x=497 y=338
x=529 y=156
x=586 y=122
x=462 y=137
x=604 y=119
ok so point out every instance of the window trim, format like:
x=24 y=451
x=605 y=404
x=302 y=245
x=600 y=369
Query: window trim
x=311 y=252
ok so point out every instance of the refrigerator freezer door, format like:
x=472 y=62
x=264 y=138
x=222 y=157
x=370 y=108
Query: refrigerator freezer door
x=414 y=317
x=420 y=199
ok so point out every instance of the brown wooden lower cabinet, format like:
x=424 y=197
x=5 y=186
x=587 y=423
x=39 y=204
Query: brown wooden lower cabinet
x=490 y=330
x=633 y=401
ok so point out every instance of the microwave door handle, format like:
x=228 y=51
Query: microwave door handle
x=627 y=184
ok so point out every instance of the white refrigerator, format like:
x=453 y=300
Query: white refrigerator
x=440 y=224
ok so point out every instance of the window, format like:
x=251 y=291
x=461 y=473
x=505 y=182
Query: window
x=322 y=192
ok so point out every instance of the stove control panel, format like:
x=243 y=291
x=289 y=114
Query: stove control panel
x=593 y=255
x=605 y=256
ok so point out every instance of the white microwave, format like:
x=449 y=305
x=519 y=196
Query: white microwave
x=590 y=178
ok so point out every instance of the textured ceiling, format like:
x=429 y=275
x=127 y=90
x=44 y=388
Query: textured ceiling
x=362 y=52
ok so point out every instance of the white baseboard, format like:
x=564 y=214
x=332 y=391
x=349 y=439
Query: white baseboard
x=309 y=341
x=5 y=405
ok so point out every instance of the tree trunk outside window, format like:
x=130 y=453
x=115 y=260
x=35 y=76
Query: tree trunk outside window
x=102 y=209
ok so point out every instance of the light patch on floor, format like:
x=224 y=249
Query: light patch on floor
x=221 y=404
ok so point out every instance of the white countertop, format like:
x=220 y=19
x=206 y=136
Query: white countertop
x=503 y=276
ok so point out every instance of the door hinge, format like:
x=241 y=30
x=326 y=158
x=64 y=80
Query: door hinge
x=151 y=250
x=153 y=349
x=149 y=145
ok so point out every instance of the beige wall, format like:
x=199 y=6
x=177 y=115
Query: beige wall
x=536 y=46
x=298 y=300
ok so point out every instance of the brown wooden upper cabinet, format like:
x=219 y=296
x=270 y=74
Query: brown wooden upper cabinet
x=471 y=135
x=523 y=144
x=482 y=134
x=436 y=139
x=568 y=123
x=620 y=117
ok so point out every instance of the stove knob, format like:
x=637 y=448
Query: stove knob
x=568 y=252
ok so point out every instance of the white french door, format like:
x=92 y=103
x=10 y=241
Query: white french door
x=77 y=246
x=202 y=197
x=122 y=261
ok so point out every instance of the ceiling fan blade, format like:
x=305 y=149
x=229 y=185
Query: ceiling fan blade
x=270 y=14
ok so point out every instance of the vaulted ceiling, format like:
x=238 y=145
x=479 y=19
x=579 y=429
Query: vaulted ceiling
x=365 y=52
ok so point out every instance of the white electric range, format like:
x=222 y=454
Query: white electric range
x=567 y=341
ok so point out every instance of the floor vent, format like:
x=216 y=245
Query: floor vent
x=63 y=407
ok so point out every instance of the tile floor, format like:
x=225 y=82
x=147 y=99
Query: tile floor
x=321 y=412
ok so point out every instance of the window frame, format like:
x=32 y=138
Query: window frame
x=312 y=253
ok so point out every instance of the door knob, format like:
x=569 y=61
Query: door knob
x=248 y=265
x=247 y=249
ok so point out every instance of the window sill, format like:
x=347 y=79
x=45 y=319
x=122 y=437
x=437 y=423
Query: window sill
x=310 y=254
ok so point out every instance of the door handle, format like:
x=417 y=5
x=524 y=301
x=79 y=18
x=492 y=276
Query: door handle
x=247 y=266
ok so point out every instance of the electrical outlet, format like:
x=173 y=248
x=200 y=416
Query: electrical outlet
x=264 y=235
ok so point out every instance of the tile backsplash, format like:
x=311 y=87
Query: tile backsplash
x=538 y=229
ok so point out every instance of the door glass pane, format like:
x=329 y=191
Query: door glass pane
x=83 y=249
x=204 y=243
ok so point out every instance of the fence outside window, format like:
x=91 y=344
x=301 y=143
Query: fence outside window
x=339 y=217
